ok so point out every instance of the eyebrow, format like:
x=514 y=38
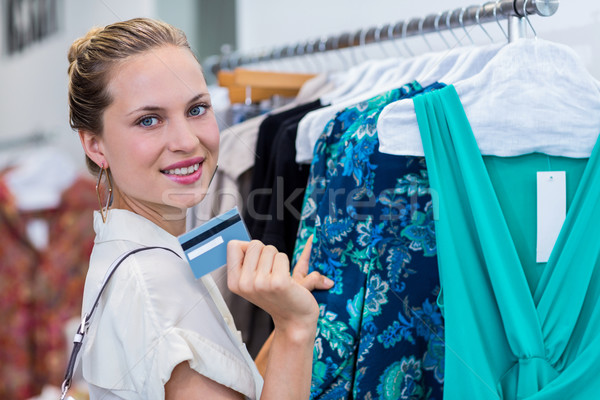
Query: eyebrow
x=147 y=108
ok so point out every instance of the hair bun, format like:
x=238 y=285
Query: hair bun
x=81 y=44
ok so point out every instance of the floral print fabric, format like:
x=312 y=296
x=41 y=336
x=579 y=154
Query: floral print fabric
x=380 y=331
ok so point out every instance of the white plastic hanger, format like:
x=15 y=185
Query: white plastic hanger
x=533 y=96
x=371 y=72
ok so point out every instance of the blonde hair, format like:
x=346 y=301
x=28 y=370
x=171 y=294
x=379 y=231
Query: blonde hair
x=92 y=57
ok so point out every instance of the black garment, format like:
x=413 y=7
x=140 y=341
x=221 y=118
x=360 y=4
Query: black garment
x=275 y=171
x=258 y=211
x=285 y=207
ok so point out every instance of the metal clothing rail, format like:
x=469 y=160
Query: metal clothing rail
x=516 y=11
x=31 y=140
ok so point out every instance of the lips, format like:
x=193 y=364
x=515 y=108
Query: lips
x=183 y=168
x=185 y=172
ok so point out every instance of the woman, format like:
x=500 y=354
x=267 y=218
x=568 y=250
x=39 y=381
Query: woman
x=139 y=101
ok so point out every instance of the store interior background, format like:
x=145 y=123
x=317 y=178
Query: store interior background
x=34 y=80
x=34 y=128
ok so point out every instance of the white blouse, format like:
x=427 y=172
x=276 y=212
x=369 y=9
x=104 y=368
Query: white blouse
x=154 y=315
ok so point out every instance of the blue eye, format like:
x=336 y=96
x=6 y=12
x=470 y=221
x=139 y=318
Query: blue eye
x=197 y=110
x=148 y=121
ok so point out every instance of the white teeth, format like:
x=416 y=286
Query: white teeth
x=183 y=171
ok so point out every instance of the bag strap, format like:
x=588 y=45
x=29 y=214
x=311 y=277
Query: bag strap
x=87 y=317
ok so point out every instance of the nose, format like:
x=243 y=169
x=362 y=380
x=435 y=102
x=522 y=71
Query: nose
x=181 y=136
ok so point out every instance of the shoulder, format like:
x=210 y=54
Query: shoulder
x=131 y=327
x=151 y=279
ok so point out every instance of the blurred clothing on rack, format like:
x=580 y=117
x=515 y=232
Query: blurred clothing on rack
x=44 y=256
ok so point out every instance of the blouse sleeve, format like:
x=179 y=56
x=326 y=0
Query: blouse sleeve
x=153 y=316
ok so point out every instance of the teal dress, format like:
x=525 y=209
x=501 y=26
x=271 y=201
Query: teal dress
x=515 y=329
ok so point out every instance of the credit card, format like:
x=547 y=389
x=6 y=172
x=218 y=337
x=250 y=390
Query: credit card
x=205 y=247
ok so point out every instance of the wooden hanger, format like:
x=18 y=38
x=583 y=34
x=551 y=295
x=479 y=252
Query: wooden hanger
x=252 y=85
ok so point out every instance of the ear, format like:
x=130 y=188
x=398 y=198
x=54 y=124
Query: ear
x=93 y=146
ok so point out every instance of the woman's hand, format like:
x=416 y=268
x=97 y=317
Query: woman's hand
x=311 y=281
x=261 y=275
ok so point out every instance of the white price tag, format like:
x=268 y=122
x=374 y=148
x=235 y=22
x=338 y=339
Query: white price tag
x=551 y=211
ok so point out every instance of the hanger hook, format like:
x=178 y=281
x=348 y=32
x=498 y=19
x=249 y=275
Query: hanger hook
x=336 y=48
x=448 y=16
x=377 y=36
x=363 y=42
x=322 y=44
x=276 y=54
x=322 y=47
x=234 y=60
x=527 y=19
x=497 y=21
x=479 y=8
x=310 y=50
x=300 y=51
x=462 y=24
x=289 y=55
x=421 y=22
x=224 y=59
x=404 y=28
x=436 y=24
x=390 y=34
x=352 y=49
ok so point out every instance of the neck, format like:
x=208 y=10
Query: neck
x=174 y=227
x=171 y=219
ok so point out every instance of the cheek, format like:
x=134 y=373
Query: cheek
x=210 y=138
x=132 y=154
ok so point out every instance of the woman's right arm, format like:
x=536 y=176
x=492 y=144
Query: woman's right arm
x=261 y=274
x=187 y=384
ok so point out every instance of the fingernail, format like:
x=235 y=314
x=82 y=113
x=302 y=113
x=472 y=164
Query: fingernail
x=328 y=281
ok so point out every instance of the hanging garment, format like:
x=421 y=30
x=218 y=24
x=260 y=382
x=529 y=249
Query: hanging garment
x=41 y=286
x=256 y=212
x=18 y=259
x=380 y=333
x=510 y=334
x=258 y=215
x=289 y=186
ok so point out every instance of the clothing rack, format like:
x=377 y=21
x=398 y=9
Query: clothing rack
x=516 y=11
x=26 y=141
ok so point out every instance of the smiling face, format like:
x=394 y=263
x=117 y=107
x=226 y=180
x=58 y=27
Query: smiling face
x=160 y=137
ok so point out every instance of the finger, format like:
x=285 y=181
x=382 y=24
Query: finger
x=251 y=257
x=247 y=275
x=236 y=251
x=301 y=268
x=281 y=268
x=316 y=280
x=265 y=262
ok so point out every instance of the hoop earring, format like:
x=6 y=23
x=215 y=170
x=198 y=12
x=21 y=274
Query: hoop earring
x=108 y=197
x=213 y=175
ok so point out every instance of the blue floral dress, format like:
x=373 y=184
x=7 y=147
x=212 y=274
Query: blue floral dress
x=380 y=331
